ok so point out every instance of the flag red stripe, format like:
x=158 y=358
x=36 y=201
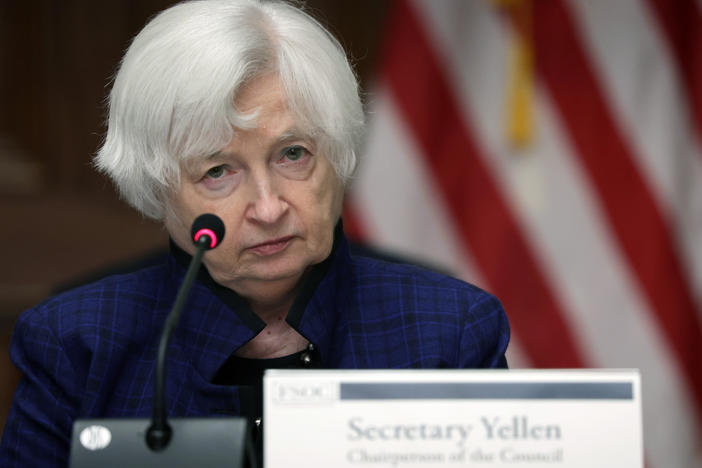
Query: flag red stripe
x=422 y=93
x=681 y=24
x=633 y=215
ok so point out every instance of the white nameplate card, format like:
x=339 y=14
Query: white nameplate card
x=452 y=418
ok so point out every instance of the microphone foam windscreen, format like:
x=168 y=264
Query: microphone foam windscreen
x=209 y=225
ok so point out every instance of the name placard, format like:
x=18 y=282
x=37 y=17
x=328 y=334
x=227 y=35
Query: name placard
x=452 y=418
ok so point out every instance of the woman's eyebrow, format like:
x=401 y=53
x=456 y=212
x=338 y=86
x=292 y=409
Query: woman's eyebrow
x=295 y=133
x=193 y=164
x=221 y=154
x=217 y=156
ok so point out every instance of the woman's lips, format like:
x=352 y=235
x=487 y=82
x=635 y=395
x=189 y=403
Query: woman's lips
x=271 y=247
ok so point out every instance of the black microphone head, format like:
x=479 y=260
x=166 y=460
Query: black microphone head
x=208 y=225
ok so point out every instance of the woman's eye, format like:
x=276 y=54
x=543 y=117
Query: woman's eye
x=294 y=153
x=220 y=180
x=216 y=172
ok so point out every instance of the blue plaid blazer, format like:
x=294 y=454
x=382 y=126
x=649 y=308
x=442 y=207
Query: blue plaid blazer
x=90 y=352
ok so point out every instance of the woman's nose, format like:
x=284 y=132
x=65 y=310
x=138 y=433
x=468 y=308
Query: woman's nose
x=267 y=206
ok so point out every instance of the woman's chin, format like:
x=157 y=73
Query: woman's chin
x=269 y=271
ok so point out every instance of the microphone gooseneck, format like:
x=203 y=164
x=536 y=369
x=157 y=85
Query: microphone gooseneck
x=207 y=232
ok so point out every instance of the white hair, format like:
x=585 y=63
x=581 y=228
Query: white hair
x=173 y=96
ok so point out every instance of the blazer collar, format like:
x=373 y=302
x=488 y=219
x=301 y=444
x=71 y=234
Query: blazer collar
x=217 y=320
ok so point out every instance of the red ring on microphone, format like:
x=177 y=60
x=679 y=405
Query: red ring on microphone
x=208 y=232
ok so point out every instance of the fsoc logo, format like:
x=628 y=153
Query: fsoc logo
x=305 y=392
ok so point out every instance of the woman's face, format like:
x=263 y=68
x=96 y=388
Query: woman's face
x=278 y=196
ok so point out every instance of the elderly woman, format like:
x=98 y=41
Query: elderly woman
x=248 y=110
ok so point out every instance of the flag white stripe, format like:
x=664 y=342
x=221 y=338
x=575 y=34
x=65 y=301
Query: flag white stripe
x=406 y=215
x=648 y=101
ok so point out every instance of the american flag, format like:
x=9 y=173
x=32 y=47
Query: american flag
x=550 y=151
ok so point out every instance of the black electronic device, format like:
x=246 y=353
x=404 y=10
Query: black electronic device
x=195 y=442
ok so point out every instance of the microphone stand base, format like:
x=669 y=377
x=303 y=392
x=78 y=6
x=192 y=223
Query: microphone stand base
x=201 y=442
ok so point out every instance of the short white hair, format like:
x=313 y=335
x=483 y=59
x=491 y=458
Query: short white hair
x=173 y=96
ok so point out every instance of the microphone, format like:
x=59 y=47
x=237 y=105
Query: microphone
x=208 y=225
x=158 y=442
x=206 y=233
